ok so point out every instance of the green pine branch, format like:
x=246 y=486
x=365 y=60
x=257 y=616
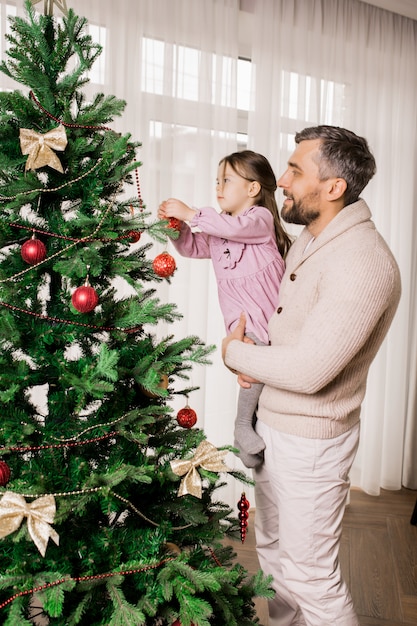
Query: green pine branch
x=85 y=396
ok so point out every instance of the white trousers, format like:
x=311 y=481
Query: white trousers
x=300 y=493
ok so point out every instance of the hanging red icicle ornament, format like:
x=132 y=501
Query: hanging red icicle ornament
x=85 y=298
x=33 y=251
x=243 y=506
x=164 y=265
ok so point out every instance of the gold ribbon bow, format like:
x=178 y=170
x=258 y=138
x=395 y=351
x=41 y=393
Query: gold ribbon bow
x=40 y=148
x=40 y=513
x=206 y=456
x=48 y=7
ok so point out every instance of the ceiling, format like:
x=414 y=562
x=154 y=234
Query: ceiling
x=403 y=7
x=408 y=8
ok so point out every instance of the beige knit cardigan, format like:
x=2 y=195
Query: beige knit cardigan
x=336 y=303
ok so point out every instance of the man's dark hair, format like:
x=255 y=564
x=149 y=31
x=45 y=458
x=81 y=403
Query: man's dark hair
x=342 y=154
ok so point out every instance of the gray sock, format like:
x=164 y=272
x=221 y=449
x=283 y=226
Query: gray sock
x=245 y=432
x=247 y=440
x=249 y=460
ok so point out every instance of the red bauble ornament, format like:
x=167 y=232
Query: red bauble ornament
x=134 y=235
x=164 y=265
x=4 y=473
x=84 y=299
x=178 y=623
x=174 y=223
x=243 y=506
x=33 y=251
x=186 y=417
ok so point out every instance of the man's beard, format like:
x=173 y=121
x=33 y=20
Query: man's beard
x=301 y=211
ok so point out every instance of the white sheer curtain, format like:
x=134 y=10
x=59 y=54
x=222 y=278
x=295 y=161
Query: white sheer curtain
x=348 y=63
x=175 y=64
x=342 y=62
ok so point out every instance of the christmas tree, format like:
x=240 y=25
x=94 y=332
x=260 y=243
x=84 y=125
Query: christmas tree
x=107 y=500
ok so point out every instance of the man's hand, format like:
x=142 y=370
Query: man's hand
x=237 y=333
x=245 y=381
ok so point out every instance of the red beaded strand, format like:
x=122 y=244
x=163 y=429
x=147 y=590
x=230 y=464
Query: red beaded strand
x=55 y=446
x=59 y=320
x=79 y=579
x=141 y=205
x=66 y=124
x=47 y=233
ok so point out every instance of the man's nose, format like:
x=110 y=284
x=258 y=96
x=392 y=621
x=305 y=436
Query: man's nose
x=283 y=180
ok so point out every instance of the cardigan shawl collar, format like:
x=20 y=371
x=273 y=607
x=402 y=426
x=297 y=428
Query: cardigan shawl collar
x=350 y=216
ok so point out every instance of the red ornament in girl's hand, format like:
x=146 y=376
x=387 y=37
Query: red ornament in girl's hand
x=174 y=223
x=186 y=417
x=4 y=473
x=33 y=251
x=164 y=265
x=84 y=299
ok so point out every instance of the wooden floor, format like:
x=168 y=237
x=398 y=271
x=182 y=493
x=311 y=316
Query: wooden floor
x=378 y=558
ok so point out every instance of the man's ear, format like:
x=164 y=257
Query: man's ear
x=254 y=189
x=336 y=188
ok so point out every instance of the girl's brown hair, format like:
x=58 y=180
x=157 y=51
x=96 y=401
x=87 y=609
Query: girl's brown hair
x=254 y=167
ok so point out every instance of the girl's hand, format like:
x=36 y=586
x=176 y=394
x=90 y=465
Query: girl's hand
x=162 y=215
x=175 y=208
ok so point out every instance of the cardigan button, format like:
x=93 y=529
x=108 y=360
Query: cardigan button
x=279 y=309
x=293 y=277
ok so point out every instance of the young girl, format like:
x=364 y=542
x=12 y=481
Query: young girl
x=247 y=244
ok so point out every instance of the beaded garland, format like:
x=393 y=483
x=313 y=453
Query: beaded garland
x=79 y=579
x=70 y=443
x=39 y=231
x=75 y=241
x=105 y=575
x=53 y=189
x=91 y=326
x=59 y=320
x=66 y=124
x=56 y=446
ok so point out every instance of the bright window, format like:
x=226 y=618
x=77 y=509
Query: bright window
x=307 y=99
x=98 y=35
x=6 y=11
x=171 y=70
